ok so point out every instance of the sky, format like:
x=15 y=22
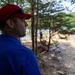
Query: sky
x=67 y=5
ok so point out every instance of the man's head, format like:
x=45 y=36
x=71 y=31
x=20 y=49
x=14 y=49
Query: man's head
x=12 y=20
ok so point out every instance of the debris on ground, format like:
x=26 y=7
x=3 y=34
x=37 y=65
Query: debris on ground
x=51 y=63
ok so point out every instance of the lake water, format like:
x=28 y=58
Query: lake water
x=28 y=36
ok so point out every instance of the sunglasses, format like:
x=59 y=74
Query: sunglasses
x=18 y=11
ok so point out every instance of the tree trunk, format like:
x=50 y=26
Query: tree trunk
x=36 y=27
x=32 y=24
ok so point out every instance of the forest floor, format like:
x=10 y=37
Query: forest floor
x=59 y=60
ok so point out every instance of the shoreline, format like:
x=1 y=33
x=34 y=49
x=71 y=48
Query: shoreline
x=55 y=39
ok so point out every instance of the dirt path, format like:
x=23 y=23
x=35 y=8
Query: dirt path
x=68 y=55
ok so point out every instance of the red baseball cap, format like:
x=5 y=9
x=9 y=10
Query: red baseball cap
x=12 y=11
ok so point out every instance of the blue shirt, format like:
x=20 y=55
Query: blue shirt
x=16 y=59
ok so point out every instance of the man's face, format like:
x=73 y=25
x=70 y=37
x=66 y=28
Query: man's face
x=20 y=27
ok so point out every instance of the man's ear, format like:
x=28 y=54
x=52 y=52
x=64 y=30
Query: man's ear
x=10 y=23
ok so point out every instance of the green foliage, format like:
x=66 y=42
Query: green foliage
x=65 y=23
x=22 y=3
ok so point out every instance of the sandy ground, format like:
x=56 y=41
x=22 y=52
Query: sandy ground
x=68 y=52
x=63 y=63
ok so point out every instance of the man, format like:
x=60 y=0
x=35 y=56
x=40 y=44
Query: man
x=15 y=59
